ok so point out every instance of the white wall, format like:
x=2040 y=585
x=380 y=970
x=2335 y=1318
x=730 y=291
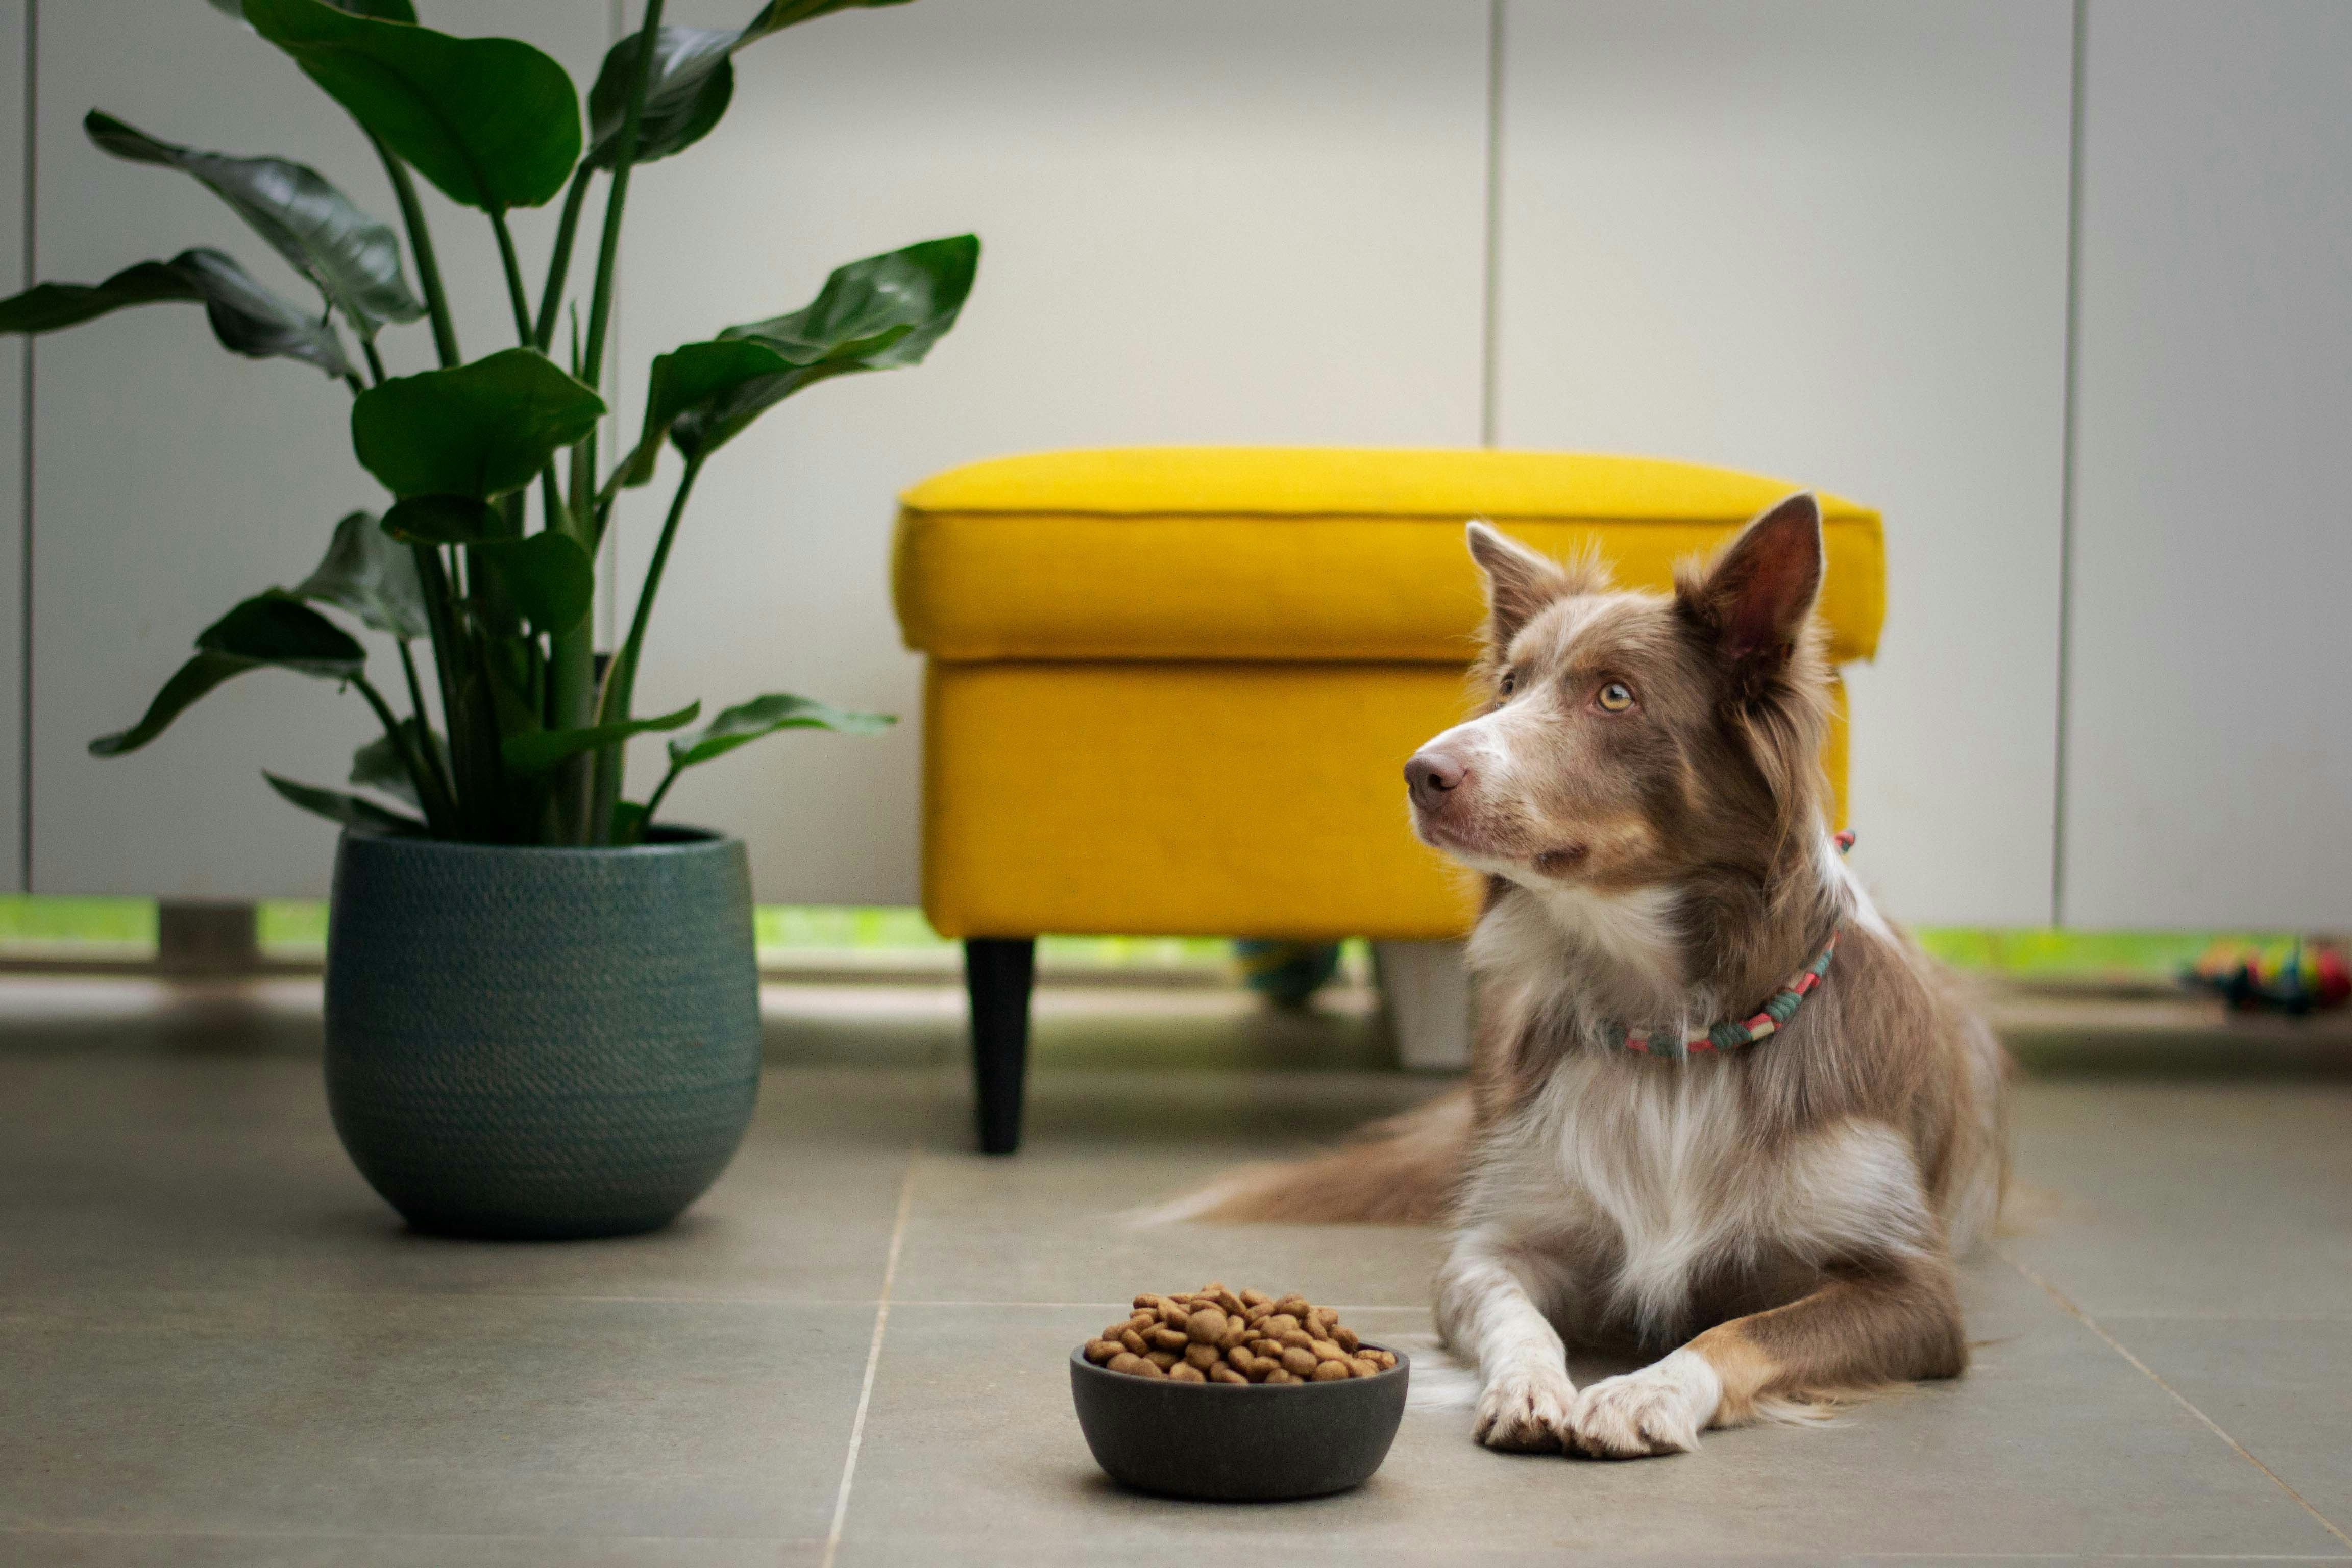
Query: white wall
x=1222 y=222
x=2210 y=762
x=1827 y=241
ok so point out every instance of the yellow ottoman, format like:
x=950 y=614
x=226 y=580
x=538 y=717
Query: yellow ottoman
x=1171 y=689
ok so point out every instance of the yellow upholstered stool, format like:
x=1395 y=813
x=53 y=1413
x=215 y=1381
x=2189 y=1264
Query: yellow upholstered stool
x=1172 y=690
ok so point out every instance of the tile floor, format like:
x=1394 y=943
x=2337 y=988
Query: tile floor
x=216 y=1347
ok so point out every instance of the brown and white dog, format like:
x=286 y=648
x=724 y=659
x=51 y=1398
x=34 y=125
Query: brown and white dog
x=1646 y=800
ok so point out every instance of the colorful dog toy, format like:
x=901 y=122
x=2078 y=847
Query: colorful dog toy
x=2309 y=979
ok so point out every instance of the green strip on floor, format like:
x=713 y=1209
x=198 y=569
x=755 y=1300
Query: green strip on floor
x=42 y=925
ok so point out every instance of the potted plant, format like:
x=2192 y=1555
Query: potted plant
x=541 y=1002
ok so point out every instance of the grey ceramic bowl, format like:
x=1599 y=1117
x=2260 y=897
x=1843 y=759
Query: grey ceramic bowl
x=1236 y=1443
x=541 y=1043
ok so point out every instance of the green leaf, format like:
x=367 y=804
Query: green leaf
x=547 y=575
x=389 y=10
x=365 y=573
x=628 y=822
x=880 y=313
x=687 y=94
x=747 y=721
x=692 y=374
x=191 y=682
x=442 y=520
x=244 y=317
x=693 y=78
x=353 y=259
x=52 y=307
x=276 y=628
x=492 y=122
x=378 y=765
x=537 y=753
x=479 y=430
x=777 y=15
x=347 y=809
x=251 y=321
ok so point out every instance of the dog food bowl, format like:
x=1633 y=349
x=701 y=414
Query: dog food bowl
x=1238 y=1442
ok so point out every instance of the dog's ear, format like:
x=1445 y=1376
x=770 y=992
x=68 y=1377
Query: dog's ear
x=1753 y=601
x=1519 y=582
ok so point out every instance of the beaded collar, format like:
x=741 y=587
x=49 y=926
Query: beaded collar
x=1729 y=1036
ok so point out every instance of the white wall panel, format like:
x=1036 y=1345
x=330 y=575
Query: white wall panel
x=2210 y=768
x=1222 y=222
x=1828 y=240
x=172 y=478
x=13 y=81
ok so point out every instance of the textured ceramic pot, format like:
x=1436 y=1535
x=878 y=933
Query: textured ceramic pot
x=1238 y=1442
x=541 y=1043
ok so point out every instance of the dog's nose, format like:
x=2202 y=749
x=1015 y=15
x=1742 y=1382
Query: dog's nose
x=1431 y=776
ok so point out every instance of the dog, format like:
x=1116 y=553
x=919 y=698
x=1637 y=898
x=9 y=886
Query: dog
x=1717 y=1101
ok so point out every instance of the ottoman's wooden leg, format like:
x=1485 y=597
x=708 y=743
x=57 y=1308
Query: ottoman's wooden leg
x=996 y=975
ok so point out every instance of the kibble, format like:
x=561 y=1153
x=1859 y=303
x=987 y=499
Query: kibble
x=1216 y=1335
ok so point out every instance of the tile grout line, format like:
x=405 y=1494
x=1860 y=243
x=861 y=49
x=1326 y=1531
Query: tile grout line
x=873 y=1358
x=2147 y=1372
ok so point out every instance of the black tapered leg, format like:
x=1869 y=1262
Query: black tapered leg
x=996 y=975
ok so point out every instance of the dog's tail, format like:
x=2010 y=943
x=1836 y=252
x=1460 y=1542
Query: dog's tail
x=1401 y=1170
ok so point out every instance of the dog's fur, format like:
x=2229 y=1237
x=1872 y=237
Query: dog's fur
x=1795 y=1205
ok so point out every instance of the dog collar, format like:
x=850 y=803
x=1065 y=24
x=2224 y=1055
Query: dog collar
x=1729 y=1036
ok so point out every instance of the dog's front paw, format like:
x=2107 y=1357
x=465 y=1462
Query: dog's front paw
x=1526 y=1407
x=1660 y=1409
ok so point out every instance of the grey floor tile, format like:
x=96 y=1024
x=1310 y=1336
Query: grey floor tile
x=806 y=1023
x=99 y=1549
x=482 y=1416
x=1059 y=1223
x=122 y=1015
x=2053 y=1444
x=208 y=1174
x=217 y=1347
x=1206 y=1029
x=2217 y=1198
x=2282 y=1389
x=1074 y=1023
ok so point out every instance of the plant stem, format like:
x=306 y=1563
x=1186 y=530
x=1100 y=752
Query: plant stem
x=587 y=511
x=570 y=692
x=608 y=253
x=428 y=790
x=424 y=720
x=440 y=614
x=376 y=360
x=592 y=355
x=621 y=679
x=420 y=240
x=559 y=266
x=513 y=265
x=653 y=802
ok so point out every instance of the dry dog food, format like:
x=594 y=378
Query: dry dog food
x=1216 y=1335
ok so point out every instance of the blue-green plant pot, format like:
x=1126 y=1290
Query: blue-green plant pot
x=541 y=1043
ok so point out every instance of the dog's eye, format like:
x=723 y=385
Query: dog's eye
x=1508 y=684
x=1615 y=696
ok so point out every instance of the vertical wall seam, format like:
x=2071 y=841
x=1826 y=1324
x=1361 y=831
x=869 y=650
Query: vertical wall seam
x=1490 y=282
x=25 y=500
x=2066 y=469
